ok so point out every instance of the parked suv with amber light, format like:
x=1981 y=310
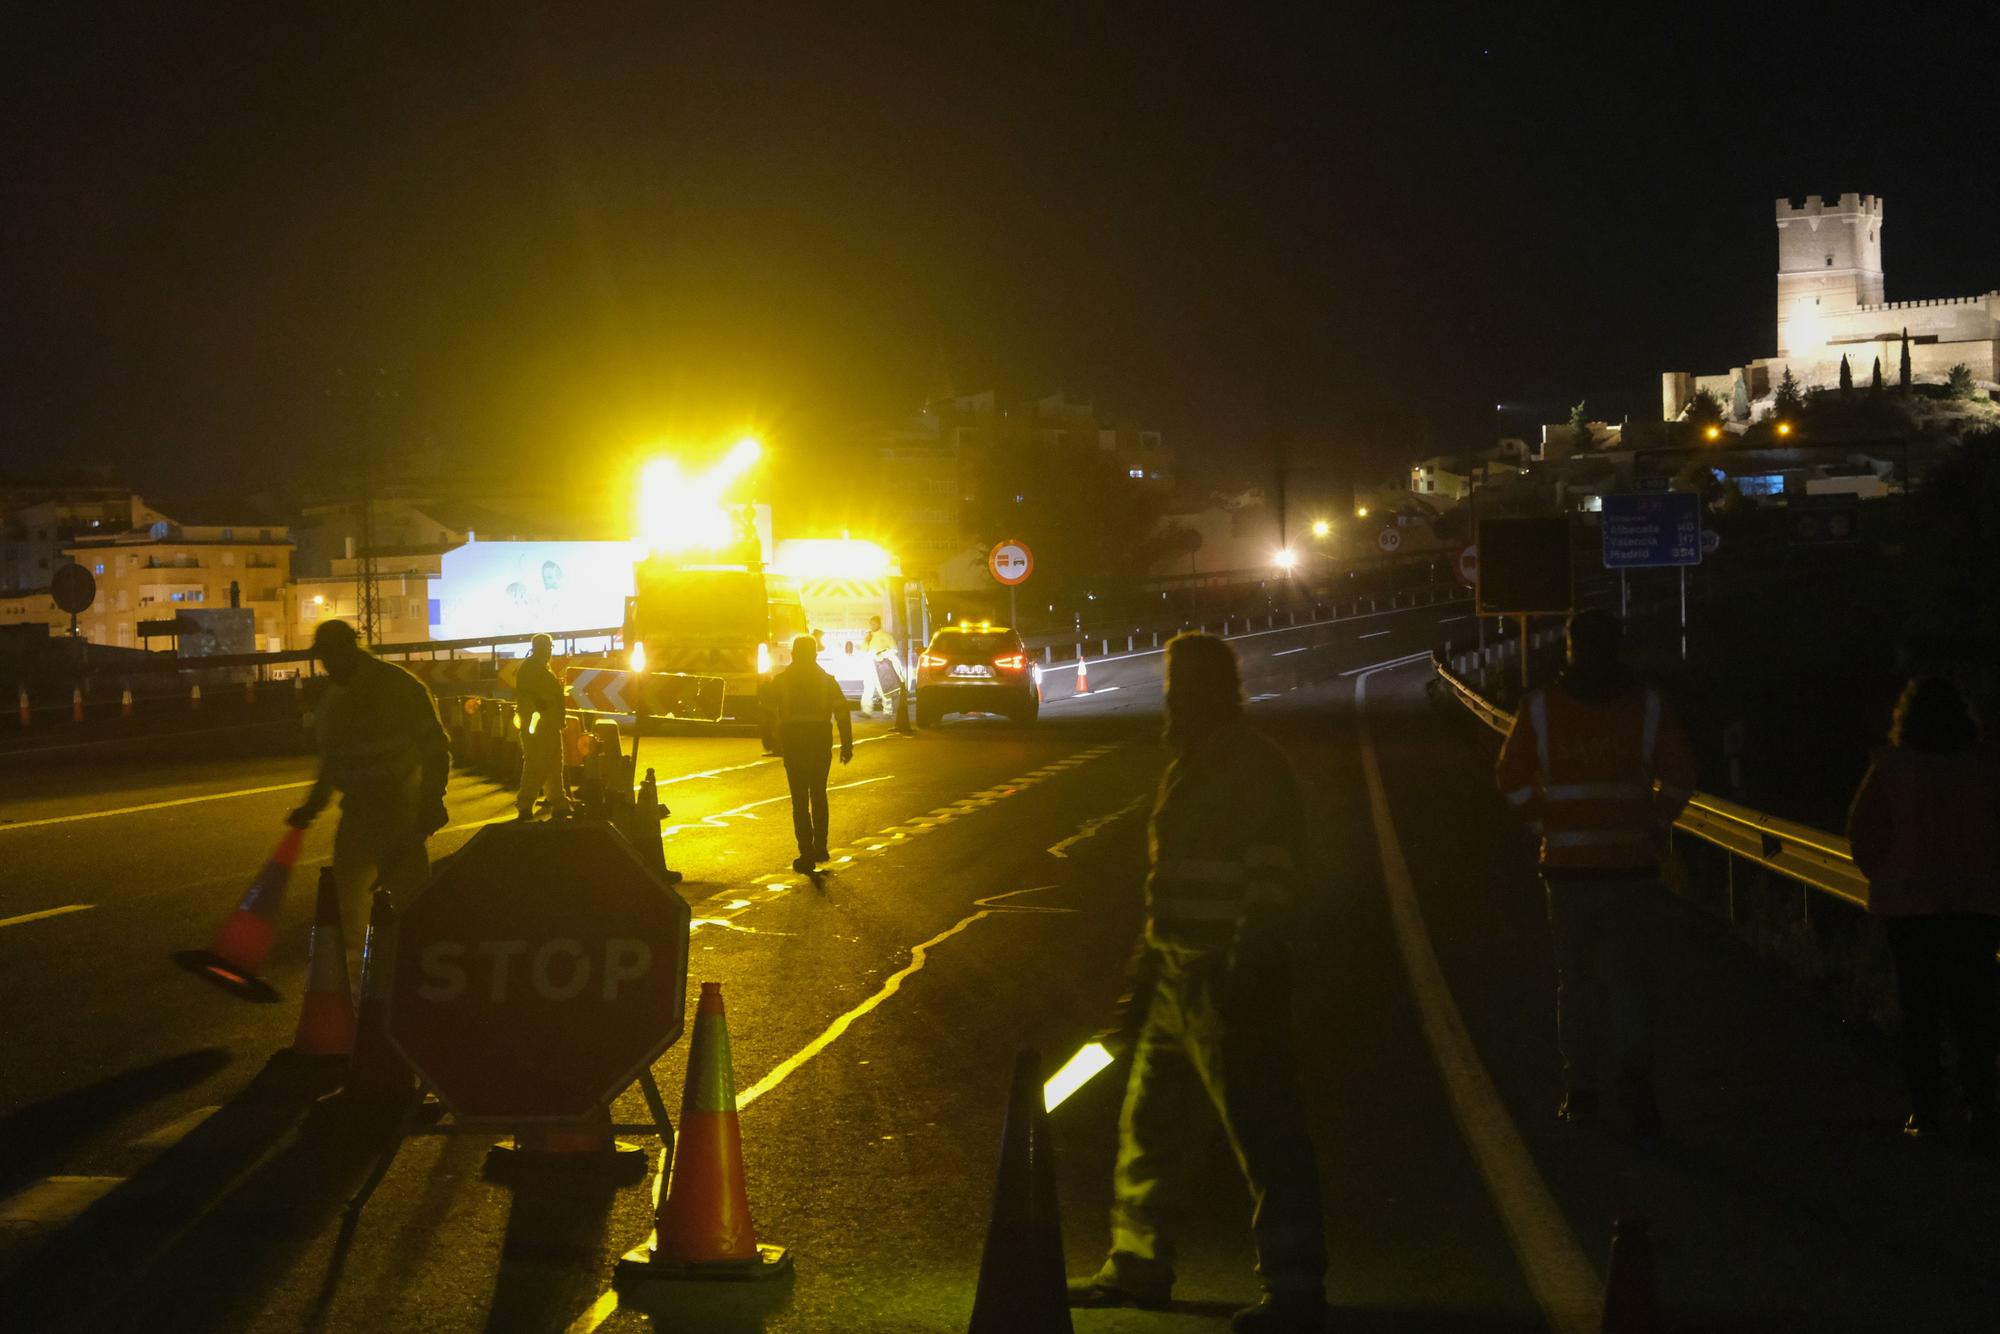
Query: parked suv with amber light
x=976 y=667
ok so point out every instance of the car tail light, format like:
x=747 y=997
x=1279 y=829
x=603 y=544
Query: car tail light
x=1013 y=662
x=931 y=660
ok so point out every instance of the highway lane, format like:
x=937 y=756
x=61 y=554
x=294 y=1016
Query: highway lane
x=882 y=1129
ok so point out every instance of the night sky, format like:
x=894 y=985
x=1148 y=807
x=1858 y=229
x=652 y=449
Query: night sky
x=577 y=228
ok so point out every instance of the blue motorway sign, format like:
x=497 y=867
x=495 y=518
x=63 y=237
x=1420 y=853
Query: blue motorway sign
x=1652 y=528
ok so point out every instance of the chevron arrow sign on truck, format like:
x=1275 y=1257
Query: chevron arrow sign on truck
x=657 y=694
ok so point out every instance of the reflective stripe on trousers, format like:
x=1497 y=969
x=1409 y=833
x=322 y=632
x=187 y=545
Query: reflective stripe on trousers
x=1230 y=1032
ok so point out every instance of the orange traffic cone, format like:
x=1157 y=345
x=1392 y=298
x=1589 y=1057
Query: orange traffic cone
x=1022 y=1289
x=76 y=704
x=236 y=956
x=703 y=1229
x=27 y=710
x=194 y=695
x=326 y=1015
x=1631 y=1280
x=125 y=702
x=1082 y=672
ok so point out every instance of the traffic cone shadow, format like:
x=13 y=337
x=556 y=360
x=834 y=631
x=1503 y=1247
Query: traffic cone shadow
x=703 y=1229
x=235 y=959
x=326 y=1013
x=1631 y=1280
x=1022 y=1285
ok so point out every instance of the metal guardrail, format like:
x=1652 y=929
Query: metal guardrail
x=1814 y=858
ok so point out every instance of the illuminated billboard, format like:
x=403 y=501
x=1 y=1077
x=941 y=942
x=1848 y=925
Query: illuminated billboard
x=505 y=588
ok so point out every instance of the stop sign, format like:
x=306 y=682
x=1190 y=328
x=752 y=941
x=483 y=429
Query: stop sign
x=541 y=969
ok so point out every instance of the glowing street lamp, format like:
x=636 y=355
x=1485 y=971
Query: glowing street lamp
x=1285 y=559
x=1712 y=432
x=1321 y=528
x=1784 y=428
x=1361 y=511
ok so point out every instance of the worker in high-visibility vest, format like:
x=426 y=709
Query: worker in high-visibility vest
x=539 y=706
x=1213 y=1002
x=383 y=749
x=1598 y=767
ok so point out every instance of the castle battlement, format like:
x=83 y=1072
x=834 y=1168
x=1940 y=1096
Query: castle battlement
x=1848 y=205
x=1936 y=301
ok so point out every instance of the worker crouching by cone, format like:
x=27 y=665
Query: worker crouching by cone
x=703 y=1230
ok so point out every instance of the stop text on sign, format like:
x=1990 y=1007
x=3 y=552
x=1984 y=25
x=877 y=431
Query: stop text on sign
x=561 y=969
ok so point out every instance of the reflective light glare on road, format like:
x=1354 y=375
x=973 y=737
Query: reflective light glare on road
x=1076 y=1072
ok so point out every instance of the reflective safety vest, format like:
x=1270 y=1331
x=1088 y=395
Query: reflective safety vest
x=1227 y=837
x=1598 y=780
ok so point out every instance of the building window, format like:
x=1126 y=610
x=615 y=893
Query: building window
x=97 y=568
x=229 y=534
x=1829 y=261
x=1139 y=473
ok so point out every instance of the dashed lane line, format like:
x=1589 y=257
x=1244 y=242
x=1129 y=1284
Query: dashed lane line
x=1558 y=1273
x=1375 y=634
x=1288 y=652
x=919 y=956
x=1384 y=666
x=46 y=912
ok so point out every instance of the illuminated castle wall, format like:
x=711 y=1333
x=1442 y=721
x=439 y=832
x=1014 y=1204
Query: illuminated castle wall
x=1831 y=304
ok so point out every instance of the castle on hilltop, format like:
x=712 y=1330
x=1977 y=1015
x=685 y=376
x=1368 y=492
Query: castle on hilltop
x=1831 y=304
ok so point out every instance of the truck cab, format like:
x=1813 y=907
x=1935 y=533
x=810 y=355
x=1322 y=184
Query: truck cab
x=732 y=621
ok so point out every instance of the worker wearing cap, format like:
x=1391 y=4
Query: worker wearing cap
x=382 y=748
x=1214 y=1002
x=539 y=705
x=1598 y=767
x=809 y=705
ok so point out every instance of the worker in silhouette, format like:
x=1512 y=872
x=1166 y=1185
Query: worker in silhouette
x=1925 y=827
x=539 y=706
x=384 y=751
x=1212 y=1007
x=1598 y=767
x=809 y=705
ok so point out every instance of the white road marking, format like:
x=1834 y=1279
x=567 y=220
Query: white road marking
x=1288 y=652
x=1374 y=634
x=919 y=956
x=153 y=806
x=1447 y=620
x=53 y=1202
x=713 y=821
x=1558 y=1272
x=1248 y=634
x=1392 y=662
x=46 y=912
x=173 y=1132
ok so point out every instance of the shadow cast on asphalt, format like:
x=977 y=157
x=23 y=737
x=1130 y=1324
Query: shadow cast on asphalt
x=553 y=1256
x=36 y=1138
x=139 y=1245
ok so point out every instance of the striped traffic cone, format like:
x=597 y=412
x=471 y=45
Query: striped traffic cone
x=76 y=704
x=326 y=1013
x=236 y=957
x=27 y=710
x=1082 y=672
x=703 y=1229
x=125 y=702
x=194 y=695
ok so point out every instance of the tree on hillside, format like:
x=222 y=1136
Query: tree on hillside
x=1903 y=379
x=1960 y=382
x=1875 y=384
x=1705 y=409
x=1846 y=375
x=1580 y=438
x=1788 y=400
x=1739 y=401
x=1955 y=564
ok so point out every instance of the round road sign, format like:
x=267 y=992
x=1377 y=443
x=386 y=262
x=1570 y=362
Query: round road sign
x=1011 y=562
x=74 y=588
x=1711 y=541
x=541 y=969
x=1466 y=565
x=1389 y=539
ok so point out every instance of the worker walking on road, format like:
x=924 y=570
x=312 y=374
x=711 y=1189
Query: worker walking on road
x=539 y=707
x=382 y=748
x=809 y=705
x=1598 y=767
x=884 y=674
x=1212 y=1003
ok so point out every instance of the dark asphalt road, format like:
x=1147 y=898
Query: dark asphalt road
x=871 y=1115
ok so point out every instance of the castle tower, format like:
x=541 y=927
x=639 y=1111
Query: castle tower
x=1829 y=260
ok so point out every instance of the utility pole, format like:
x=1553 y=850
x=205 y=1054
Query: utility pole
x=365 y=395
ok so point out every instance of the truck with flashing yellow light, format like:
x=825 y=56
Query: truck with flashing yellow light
x=730 y=621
